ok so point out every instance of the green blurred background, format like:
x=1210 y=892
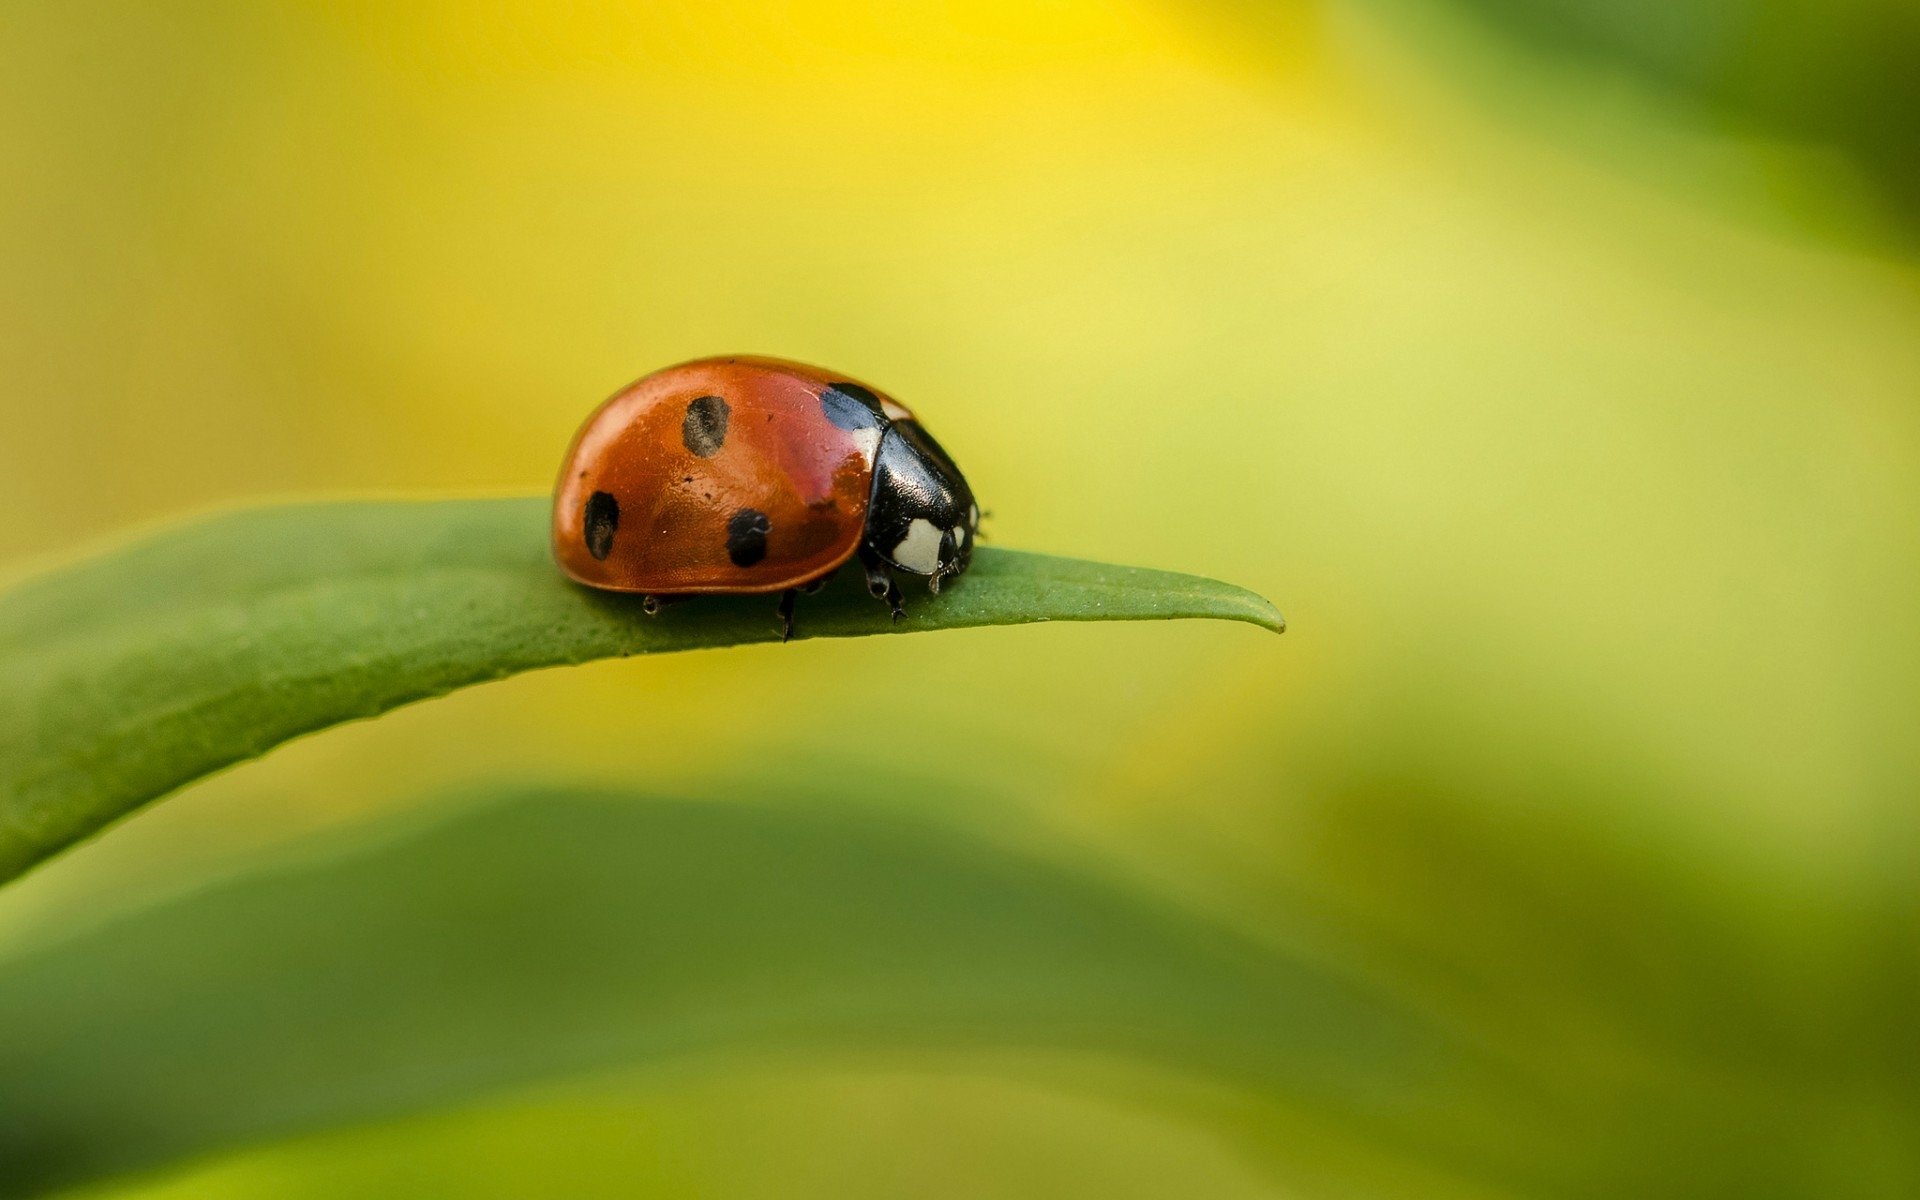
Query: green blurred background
x=1553 y=364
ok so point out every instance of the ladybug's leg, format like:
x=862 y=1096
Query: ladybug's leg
x=788 y=597
x=879 y=578
x=880 y=582
x=786 y=612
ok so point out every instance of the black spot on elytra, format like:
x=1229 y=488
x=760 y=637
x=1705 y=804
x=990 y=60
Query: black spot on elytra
x=705 y=429
x=850 y=406
x=602 y=519
x=747 y=537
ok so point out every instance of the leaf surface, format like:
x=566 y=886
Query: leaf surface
x=131 y=674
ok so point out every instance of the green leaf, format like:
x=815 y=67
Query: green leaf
x=144 y=669
x=554 y=932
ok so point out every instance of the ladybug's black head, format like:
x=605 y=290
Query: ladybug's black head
x=922 y=517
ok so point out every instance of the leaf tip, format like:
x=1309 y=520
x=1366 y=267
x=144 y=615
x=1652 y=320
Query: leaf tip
x=1255 y=609
x=1266 y=616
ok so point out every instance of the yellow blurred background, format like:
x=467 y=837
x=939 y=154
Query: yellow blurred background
x=1559 y=386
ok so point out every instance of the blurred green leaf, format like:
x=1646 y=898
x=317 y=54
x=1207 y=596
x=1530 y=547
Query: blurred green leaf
x=1841 y=72
x=146 y=668
x=557 y=932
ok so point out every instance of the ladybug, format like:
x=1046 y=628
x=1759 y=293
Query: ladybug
x=728 y=475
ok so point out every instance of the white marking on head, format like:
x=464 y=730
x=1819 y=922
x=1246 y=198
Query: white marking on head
x=919 y=551
x=973 y=516
x=894 y=411
x=868 y=440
